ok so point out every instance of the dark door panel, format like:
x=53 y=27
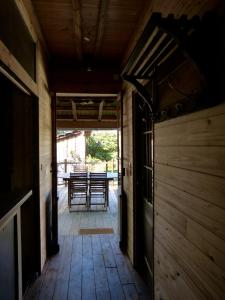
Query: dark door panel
x=143 y=191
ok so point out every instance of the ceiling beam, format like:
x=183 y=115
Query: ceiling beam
x=86 y=124
x=103 y=5
x=74 y=110
x=86 y=108
x=86 y=117
x=100 y=110
x=77 y=27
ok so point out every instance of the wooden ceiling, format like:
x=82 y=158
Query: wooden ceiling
x=88 y=43
x=88 y=32
x=87 y=112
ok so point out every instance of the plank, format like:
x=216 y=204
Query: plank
x=204 y=186
x=206 y=214
x=35 y=290
x=114 y=240
x=103 y=295
x=208 y=277
x=88 y=278
x=207 y=242
x=63 y=273
x=96 y=245
x=123 y=270
x=130 y=292
x=204 y=132
x=11 y=62
x=171 y=278
x=115 y=286
x=75 y=280
x=211 y=245
x=203 y=114
x=209 y=160
x=108 y=255
x=101 y=283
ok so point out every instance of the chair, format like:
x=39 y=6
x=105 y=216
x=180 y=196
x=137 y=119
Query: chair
x=98 y=189
x=78 y=189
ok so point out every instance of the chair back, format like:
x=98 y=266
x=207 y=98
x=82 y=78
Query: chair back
x=97 y=182
x=78 y=181
x=78 y=174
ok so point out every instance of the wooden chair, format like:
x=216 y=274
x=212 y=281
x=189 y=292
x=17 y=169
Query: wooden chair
x=78 y=189
x=98 y=189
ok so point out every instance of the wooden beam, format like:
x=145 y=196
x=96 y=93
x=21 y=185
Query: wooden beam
x=87 y=124
x=103 y=5
x=30 y=18
x=100 y=110
x=16 y=68
x=89 y=117
x=74 y=110
x=77 y=27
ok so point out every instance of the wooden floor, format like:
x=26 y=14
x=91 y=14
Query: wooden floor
x=71 y=222
x=88 y=266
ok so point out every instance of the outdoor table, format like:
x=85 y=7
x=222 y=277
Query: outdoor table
x=110 y=176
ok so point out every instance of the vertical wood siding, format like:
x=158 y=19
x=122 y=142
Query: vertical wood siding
x=40 y=89
x=44 y=148
x=128 y=163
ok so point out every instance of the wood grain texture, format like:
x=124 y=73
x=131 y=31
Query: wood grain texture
x=82 y=269
x=209 y=160
x=208 y=277
x=189 y=206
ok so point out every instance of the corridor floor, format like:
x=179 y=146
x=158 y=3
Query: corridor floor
x=88 y=266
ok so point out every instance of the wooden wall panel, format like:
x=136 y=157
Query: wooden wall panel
x=45 y=149
x=190 y=207
x=128 y=162
x=40 y=89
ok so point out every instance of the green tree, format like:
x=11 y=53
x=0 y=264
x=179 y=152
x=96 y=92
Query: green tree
x=102 y=146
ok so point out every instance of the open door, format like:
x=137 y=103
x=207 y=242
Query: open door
x=122 y=207
x=143 y=190
x=53 y=246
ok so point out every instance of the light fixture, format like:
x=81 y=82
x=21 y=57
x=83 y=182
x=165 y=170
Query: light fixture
x=86 y=39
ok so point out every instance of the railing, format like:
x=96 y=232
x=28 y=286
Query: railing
x=67 y=166
x=11 y=224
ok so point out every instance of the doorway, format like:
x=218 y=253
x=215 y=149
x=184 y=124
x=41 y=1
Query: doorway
x=92 y=205
x=143 y=189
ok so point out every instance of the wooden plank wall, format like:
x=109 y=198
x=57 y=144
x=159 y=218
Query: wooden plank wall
x=44 y=148
x=190 y=206
x=40 y=89
x=128 y=162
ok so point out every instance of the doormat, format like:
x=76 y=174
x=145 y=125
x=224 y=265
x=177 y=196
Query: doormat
x=96 y=230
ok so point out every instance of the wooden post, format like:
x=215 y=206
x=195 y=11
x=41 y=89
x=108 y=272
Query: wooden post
x=65 y=169
x=65 y=165
x=54 y=248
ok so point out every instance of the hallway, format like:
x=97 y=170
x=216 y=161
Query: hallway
x=88 y=266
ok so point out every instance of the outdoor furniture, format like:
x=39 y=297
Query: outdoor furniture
x=90 y=192
x=98 y=189
x=78 y=189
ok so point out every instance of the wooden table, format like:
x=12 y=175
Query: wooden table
x=110 y=176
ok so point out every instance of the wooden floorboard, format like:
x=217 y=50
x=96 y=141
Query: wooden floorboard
x=88 y=266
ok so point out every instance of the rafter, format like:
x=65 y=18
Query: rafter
x=86 y=124
x=74 y=110
x=77 y=26
x=100 y=110
x=100 y=25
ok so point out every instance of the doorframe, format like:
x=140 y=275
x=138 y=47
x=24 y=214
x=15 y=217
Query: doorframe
x=54 y=245
x=137 y=216
x=137 y=239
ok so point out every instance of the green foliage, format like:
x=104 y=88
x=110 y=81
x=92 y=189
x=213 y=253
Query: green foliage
x=102 y=146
